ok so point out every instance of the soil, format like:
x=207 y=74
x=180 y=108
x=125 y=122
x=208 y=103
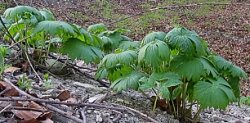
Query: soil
x=226 y=28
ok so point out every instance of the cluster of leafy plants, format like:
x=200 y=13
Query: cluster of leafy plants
x=177 y=66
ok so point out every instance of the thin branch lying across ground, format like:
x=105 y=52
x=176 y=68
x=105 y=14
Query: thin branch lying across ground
x=171 y=7
x=103 y=83
x=50 y=107
x=117 y=107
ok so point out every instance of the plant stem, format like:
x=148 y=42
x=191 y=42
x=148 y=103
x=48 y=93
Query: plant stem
x=155 y=102
x=184 y=98
x=175 y=113
x=196 y=115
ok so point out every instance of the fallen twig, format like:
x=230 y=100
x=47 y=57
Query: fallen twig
x=118 y=107
x=82 y=113
x=139 y=113
x=85 y=74
x=5 y=108
x=46 y=105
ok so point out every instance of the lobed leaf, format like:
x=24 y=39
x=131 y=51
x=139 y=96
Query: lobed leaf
x=192 y=68
x=130 y=81
x=215 y=93
x=18 y=11
x=154 y=54
x=188 y=42
x=47 y=14
x=125 y=58
x=56 y=28
x=152 y=37
x=77 y=49
x=129 y=45
x=97 y=28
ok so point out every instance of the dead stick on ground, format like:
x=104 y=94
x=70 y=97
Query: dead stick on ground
x=50 y=107
x=123 y=108
x=5 y=108
x=138 y=112
x=85 y=74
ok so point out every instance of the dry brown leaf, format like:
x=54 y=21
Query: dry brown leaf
x=11 y=69
x=64 y=95
x=9 y=90
x=26 y=115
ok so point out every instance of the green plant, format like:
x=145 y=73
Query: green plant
x=24 y=83
x=38 y=29
x=3 y=53
x=47 y=83
x=177 y=67
x=245 y=100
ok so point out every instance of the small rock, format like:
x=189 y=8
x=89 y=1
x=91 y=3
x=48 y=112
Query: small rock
x=89 y=86
x=106 y=114
x=216 y=118
x=247 y=118
x=95 y=98
x=236 y=121
x=125 y=115
x=89 y=111
x=98 y=118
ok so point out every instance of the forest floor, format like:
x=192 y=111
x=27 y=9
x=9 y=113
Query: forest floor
x=225 y=27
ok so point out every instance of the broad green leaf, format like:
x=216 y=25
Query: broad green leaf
x=118 y=72
x=237 y=72
x=164 y=92
x=101 y=73
x=77 y=49
x=227 y=67
x=154 y=54
x=220 y=62
x=111 y=39
x=188 y=42
x=130 y=81
x=152 y=37
x=97 y=28
x=234 y=82
x=213 y=93
x=147 y=83
x=90 y=38
x=128 y=45
x=125 y=58
x=19 y=12
x=188 y=67
x=47 y=14
x=56 y=28
x=192 y=68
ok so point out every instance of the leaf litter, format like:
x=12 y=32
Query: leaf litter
x=228 y=34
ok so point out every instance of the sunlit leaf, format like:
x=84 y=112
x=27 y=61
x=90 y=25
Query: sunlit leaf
x=125 y=58
x=128 y=45
x=154 y=54
x=47 y=14
x=213 y=93
x=19 y=11
x=188 y=42
x=55 y=28
x=77 y=49
x=97 y=28
x=130 y=81
x=152 y=37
